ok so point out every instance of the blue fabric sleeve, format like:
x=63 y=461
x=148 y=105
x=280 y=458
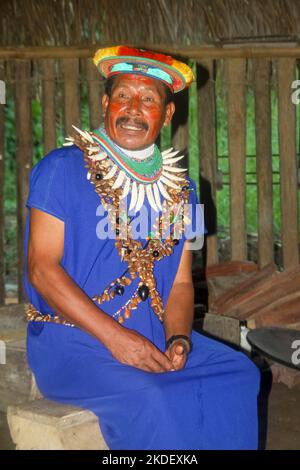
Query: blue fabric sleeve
x=47 y=185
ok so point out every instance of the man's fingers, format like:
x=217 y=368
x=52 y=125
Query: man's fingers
x=153 y=365
x=145 y=367
x=162 y=359
x=179 y=349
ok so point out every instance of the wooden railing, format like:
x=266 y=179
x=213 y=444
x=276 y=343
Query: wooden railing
x=74 y=66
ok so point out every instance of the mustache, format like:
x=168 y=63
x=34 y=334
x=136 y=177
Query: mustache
x=137 y=122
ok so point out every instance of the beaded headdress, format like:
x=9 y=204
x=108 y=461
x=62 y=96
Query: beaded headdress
x=112 y=61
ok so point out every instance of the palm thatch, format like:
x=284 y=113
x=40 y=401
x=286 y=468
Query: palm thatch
x=142 y=22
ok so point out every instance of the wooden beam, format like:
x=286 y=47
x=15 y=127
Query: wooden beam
x=240 y=292
x=46 y=52
x=48 y=104
x=208 y=156
x=235 y=70
x=24 y=152
x=2 y=177
x=262 y=70
x=250 y=50
x=288 y=163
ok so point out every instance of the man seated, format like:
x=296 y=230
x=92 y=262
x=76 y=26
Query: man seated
x=111 y=306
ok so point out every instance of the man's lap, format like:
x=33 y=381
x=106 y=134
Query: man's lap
x=73 y=362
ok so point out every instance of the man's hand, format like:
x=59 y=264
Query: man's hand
x=178 y=354
x=131 y=348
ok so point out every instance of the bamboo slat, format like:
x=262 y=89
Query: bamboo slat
x=24 y=152
x=48 y=104
x=70 y=68
x=262 y=69
x=288 y=163
x=235 y=70
x=208 y=157
x=2 y=226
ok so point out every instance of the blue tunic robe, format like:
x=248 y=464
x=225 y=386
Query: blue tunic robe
x=210 y=404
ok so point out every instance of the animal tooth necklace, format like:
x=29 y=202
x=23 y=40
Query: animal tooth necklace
x=114 y=174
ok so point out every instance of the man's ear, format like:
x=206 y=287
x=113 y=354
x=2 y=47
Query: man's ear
x=170 y=109
x=105 y=101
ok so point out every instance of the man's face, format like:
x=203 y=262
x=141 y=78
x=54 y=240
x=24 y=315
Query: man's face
x=136 y=111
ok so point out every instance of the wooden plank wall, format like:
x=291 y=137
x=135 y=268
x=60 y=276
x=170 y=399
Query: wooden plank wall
x=95 y=92
x=24 y=154
x=48 y=103
x=70 y=69
x=73 y=71
x=288 y=163
x=235 y=70
x=262 y=72
x=2 y=177
x=208 y=154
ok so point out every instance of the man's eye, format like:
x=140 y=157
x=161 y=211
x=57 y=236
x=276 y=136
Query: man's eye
x=149 y=99
x=122 y=95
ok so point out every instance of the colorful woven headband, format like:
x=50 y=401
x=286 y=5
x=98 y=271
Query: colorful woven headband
x=122 y=59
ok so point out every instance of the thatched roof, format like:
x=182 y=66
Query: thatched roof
x=142 y=22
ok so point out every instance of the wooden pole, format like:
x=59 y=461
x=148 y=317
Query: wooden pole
x=235 y=77
x=288 y=163
x=24 y=152
x=70 y=69
x=48 y=104
x=2 y=219
x=208 y=156
x=95 y=91
x=262 y=69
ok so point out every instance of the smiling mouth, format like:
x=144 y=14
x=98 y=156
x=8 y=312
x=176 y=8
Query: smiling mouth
x=132 y=126
x=129 y=127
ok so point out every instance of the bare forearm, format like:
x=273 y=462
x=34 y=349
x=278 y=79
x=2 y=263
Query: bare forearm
x=70 y=301
x=180 y=310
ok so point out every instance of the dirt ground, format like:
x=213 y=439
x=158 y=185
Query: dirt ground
x=283 y=431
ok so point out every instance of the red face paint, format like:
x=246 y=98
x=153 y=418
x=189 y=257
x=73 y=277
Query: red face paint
x=136 y=111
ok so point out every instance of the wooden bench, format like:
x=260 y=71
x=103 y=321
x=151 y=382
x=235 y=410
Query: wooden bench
x=46 y=425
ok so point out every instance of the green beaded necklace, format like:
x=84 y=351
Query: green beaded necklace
x=146 y=171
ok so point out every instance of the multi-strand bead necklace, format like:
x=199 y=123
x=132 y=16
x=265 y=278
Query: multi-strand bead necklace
x=167 y=228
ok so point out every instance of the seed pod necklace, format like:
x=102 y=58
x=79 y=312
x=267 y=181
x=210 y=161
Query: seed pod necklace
x=105 y=164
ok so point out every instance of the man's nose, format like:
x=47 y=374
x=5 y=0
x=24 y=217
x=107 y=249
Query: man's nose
x=134 y=106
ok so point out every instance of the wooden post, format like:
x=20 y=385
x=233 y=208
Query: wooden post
x=208 y=156
x=48 y=106
x=180 y=122
x=24 y=152
x=2 y=220
x=262 y=70
x=70 y=69
x=235 y=77
x=95 y=90
x=288 y=163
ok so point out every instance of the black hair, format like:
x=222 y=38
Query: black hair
x=169 y=95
